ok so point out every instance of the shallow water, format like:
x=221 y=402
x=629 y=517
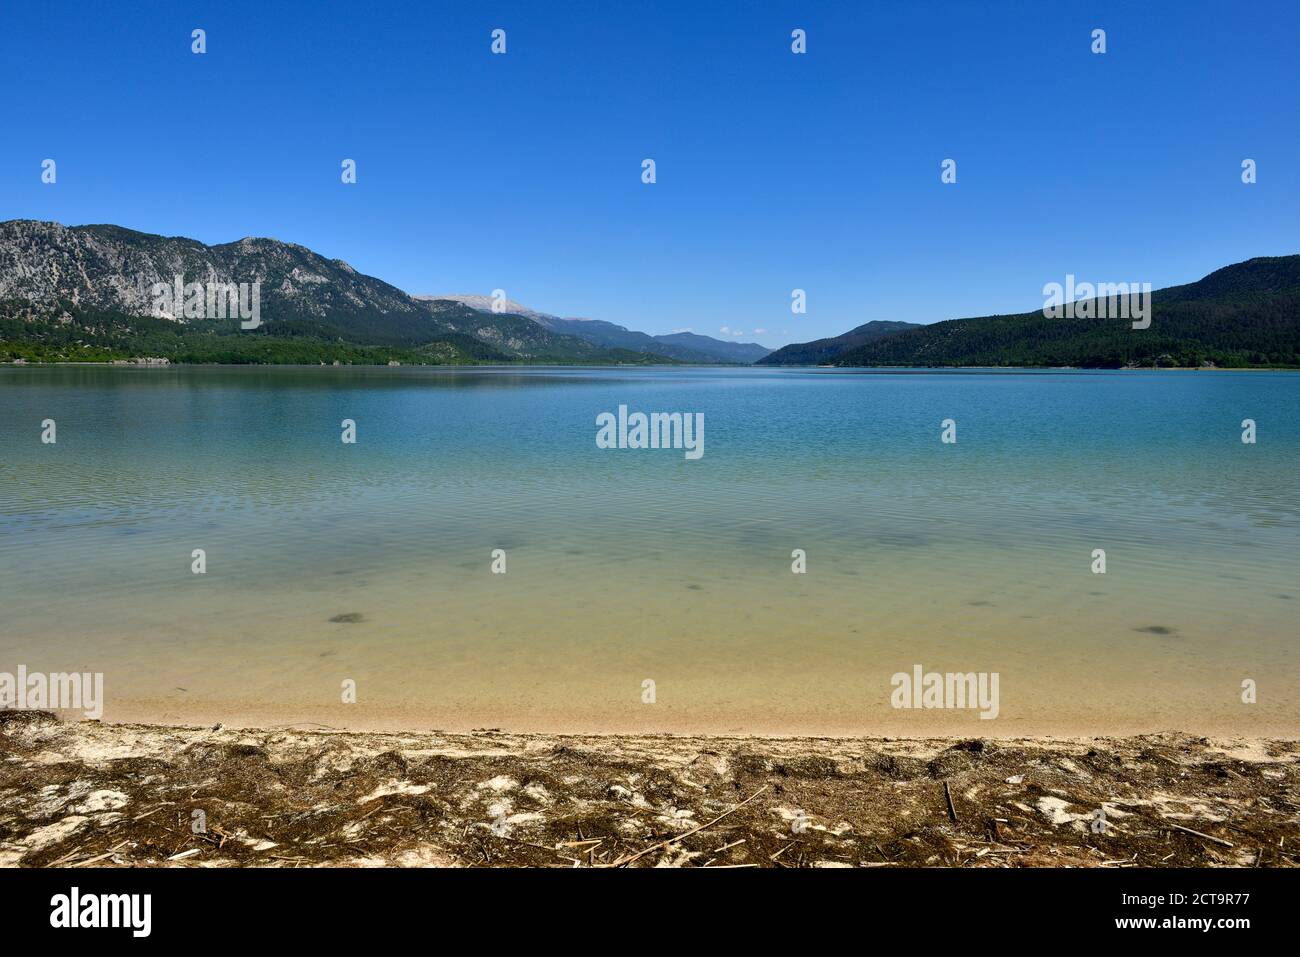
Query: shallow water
x=628 y=565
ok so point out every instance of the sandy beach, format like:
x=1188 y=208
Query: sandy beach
x=91 y=794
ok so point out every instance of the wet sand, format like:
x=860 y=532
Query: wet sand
x=834 y=719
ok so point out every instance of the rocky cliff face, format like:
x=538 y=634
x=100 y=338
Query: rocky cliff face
x=302 y=293
x=115 y=268
x=112 y=268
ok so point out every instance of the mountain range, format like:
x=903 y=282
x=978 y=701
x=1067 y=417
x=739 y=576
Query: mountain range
x=86 y=292
x=1246 y=314
x=822 y=351
x=683 y=346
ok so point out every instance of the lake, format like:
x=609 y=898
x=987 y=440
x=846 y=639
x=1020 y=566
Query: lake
x=628 y=566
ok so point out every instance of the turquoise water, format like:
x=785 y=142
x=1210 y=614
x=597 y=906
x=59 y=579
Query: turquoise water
x=628 y=565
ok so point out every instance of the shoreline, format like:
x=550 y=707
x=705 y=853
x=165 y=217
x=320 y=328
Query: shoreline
x=924 y=726
x=140 y=363
x=896 y=725
x=103 y=795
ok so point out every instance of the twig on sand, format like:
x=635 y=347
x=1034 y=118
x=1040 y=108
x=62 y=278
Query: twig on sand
x=540 y=847
x=772 y=857
x=947 y=795
x=623 y=861
x=66 y=857
x=154 y=811
x=1208 y=837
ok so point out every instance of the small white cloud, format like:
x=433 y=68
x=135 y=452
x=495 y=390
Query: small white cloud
x=760 y=332
x=687 y=329
x=725 y=330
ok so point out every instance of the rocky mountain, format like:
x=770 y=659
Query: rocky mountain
x=115 y=268
x=823 y=351
x=683 y=346
x=87 y=292
x=484 y=304
x=107 y=271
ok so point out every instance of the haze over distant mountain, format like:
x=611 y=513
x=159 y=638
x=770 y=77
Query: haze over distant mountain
x=821 y=351
x=720 y=349
x=684 y=346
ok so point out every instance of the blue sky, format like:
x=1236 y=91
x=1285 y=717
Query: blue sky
x=775 y=171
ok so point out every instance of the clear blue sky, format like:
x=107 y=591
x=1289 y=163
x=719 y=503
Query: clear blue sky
x=775 y=171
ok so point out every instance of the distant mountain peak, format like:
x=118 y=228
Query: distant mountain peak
x=683 y=346
x=822 y=351
x=485 y=304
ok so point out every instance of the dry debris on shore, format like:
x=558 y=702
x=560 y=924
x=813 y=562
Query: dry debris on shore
x=97 y=795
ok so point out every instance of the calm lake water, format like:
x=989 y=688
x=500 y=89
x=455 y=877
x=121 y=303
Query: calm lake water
x=628 y=565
